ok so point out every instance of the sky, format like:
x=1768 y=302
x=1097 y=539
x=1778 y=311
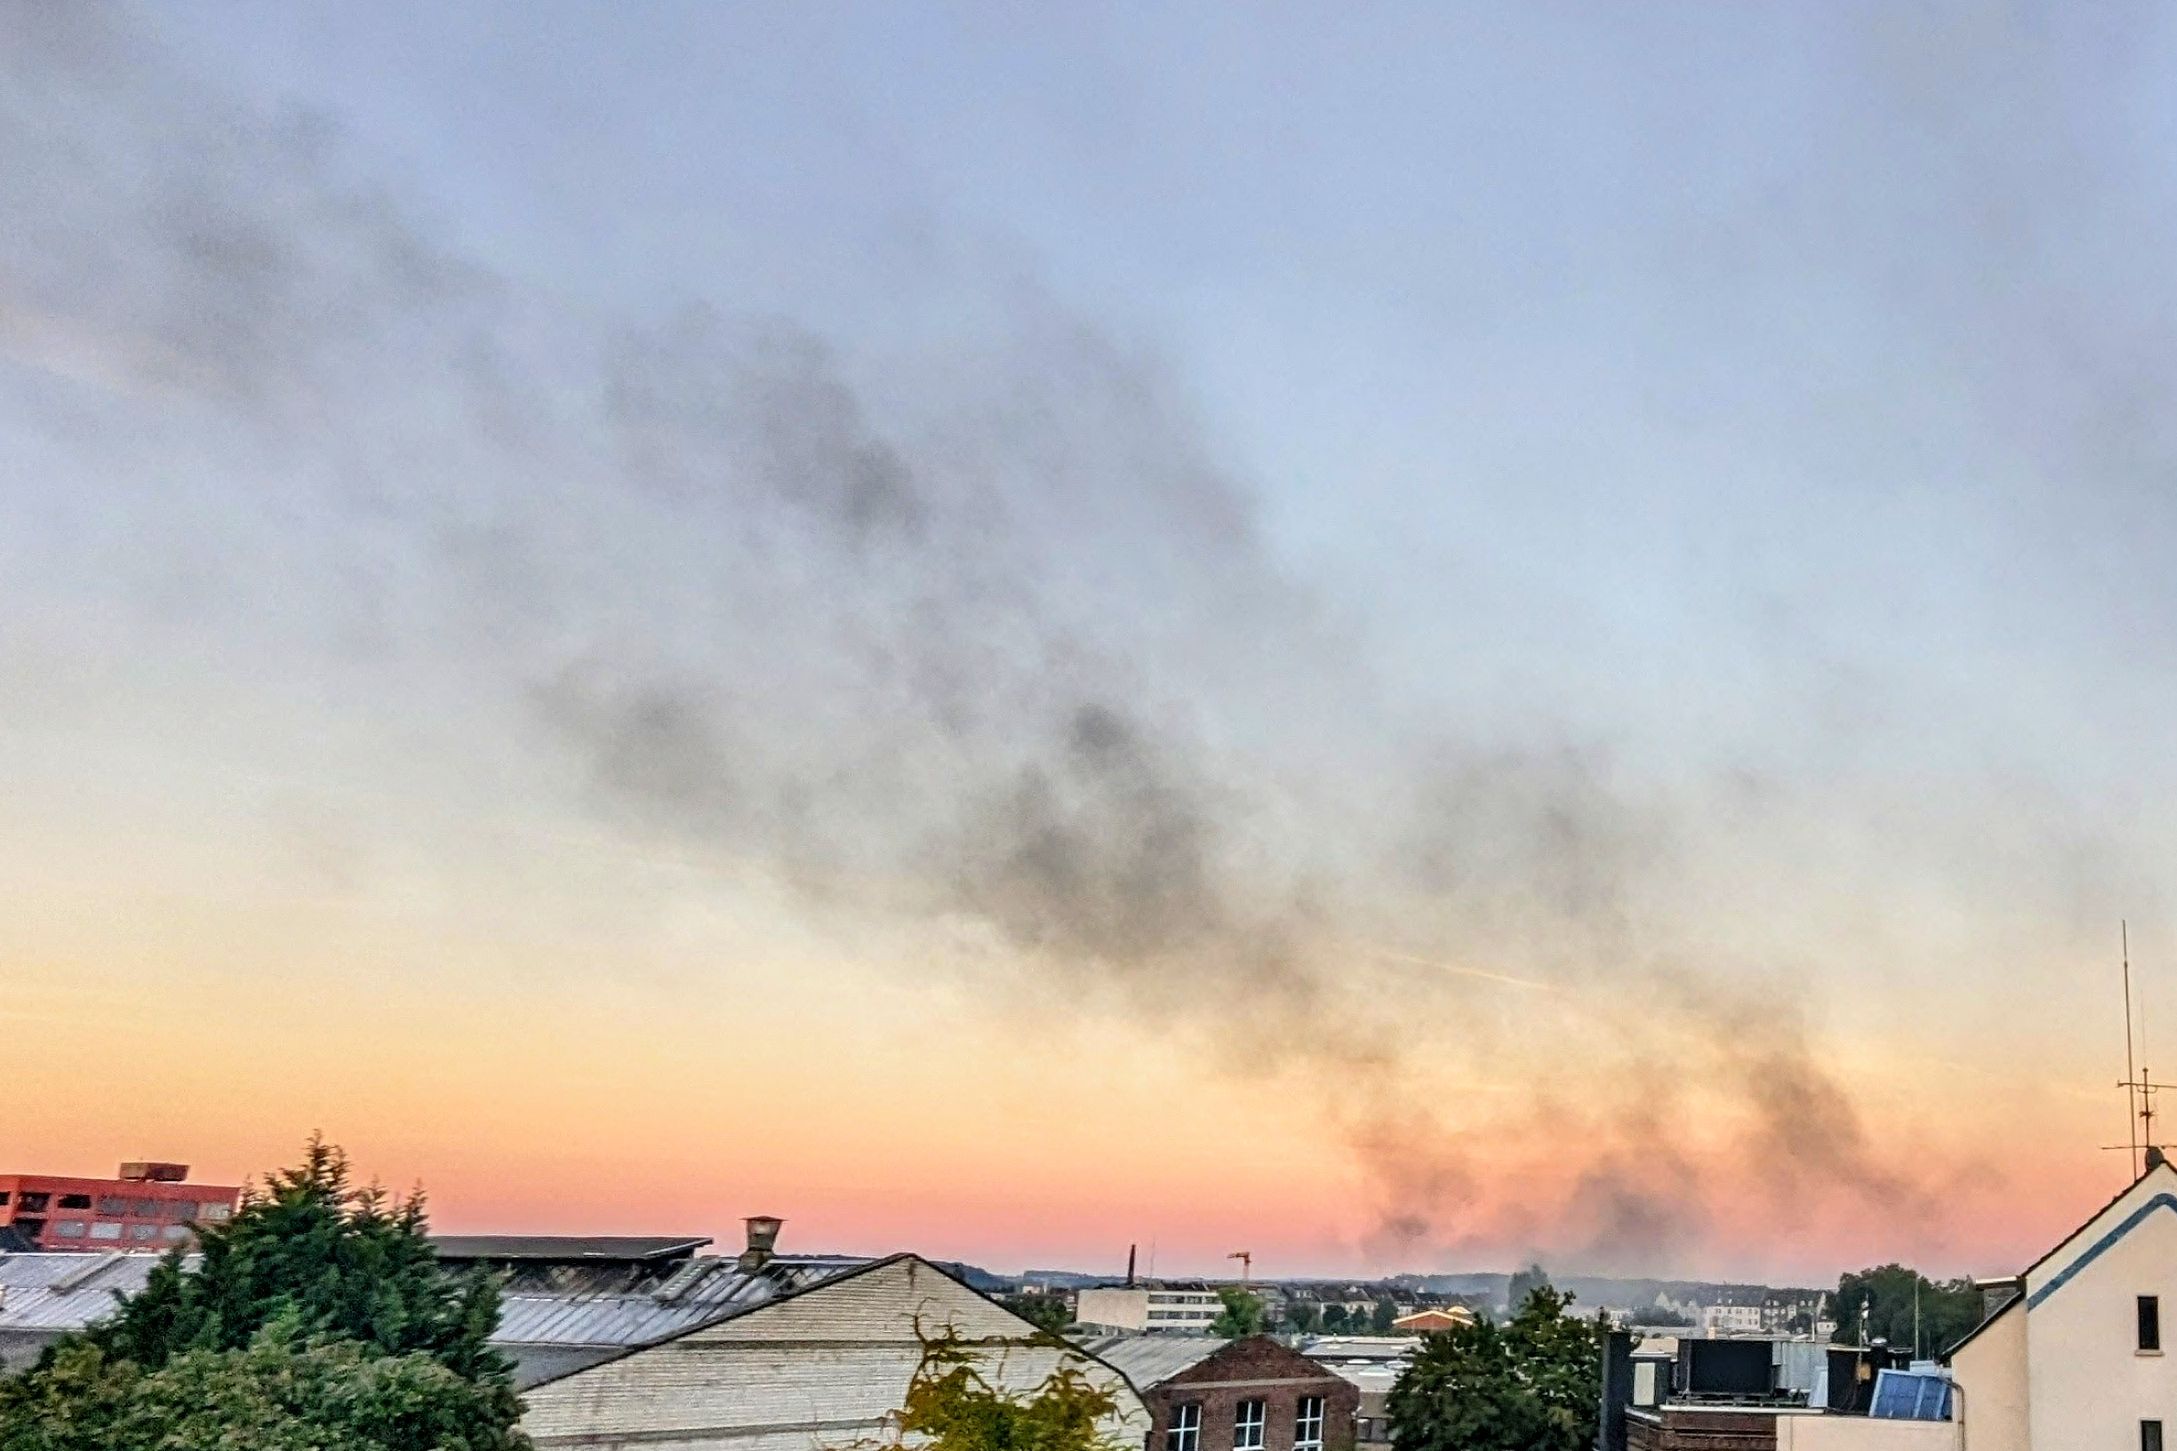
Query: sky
x=1406 y=638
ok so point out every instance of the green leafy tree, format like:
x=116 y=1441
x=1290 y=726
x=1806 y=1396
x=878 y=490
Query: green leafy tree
x=1044 y=1311
x=317 y=1317
x=1304 y=1316
x=1660 y=1314
x=1530 y=1384
x=1380 y=1320
x=1947 y=1310
x=1243 y=1313
x=283 y=1392
x=952 y=1406
x=1334 y=1319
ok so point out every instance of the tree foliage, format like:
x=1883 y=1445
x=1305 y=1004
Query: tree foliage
x=1046 y=1312
x=282 y=1392
x=1381 y=1318
x=1530 y=1384
x=1243 y=1314
x=952 y=1406
x=1947 y=1309
x=317 y=1317
x=1304 y=1316
x=1524 y=1283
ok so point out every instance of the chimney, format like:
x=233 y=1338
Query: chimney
x=1130 y=1265
x=763 y=1235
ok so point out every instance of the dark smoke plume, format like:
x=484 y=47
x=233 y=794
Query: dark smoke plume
x=993 y=642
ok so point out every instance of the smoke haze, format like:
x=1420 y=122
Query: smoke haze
x=981 y=633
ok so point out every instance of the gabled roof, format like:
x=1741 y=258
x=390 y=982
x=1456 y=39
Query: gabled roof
x=1151 y=1360
x=1987 y=1320
x=2168 y=1199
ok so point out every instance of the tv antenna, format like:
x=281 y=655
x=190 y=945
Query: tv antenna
x=2138 y=1082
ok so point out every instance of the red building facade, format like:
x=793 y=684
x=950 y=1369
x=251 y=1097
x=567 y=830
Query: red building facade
x=145 y=1206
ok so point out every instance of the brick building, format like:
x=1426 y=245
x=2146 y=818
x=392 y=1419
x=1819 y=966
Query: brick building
x=1233 y=1395
x=144 y=1206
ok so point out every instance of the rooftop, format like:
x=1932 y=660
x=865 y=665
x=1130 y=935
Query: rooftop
x=1149 y=1360
x=566 y=1248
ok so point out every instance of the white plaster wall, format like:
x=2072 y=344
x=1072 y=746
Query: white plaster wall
x=1992 y=1393
x=2087 y=1383
x=1864 y=1433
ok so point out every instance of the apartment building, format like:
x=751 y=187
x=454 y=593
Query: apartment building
x=144 y=1206
x=1169 y=1305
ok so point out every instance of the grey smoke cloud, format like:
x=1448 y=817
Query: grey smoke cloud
x=994 y=642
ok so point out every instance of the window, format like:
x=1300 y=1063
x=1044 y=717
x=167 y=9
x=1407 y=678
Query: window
x=173 y=1210
x=105 y=1231
x=144 y=1208
x=75 y=1201
x=175 y=1232
x=3 y=1196
x=2150 y=1436
x=1186 y=1429
x=212 y=1211
x=2150 y=1322
x=143 y=1231
x=34 y=1201
x=112 y=1204
x=71 y=1228
x=1247 y=1424
x=1308 y=1425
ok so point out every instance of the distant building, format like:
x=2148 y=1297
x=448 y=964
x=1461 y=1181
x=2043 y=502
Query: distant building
x=1731 y=1318
x=1167 y=1305
x=1205 y=1394
x=1422 y=1322
x=144 y=1206
x=1372 y=1365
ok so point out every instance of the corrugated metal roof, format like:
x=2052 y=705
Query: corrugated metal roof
x=566 y=1248
x=60 y=1292
x=1149 y=1360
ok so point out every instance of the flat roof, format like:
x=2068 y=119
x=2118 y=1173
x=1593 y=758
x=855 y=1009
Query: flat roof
x=567 y=1248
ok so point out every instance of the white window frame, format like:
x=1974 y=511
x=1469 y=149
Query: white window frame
x=1308 y=1425
x=1185 y=1431
x=1250 y=1431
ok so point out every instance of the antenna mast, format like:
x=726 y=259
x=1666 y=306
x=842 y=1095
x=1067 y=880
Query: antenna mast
x=2131 y=1076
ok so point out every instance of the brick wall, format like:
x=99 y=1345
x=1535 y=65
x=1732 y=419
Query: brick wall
x=1671 y=1429
x=1254 y=1369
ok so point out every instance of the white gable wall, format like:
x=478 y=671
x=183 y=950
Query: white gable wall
x=820 y=1370
x=2088 y=1385
x=1992 y=1397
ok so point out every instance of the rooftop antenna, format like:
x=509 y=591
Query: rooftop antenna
x=2131 y=1099
x=2138 y=1085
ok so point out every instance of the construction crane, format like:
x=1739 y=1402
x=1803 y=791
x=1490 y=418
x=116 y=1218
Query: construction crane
x=1247 y=1262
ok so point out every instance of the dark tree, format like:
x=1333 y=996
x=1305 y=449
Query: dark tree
x=1243 y=1314
x=1524 y=1283
x=1044 y=1311
x=1304 y=1316
x=1947 y=1310
x=1530 y=1384
x=1334 y=1319
x=1380 y=1321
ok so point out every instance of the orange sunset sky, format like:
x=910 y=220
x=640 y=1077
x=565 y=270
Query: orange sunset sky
x=1009 y=636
